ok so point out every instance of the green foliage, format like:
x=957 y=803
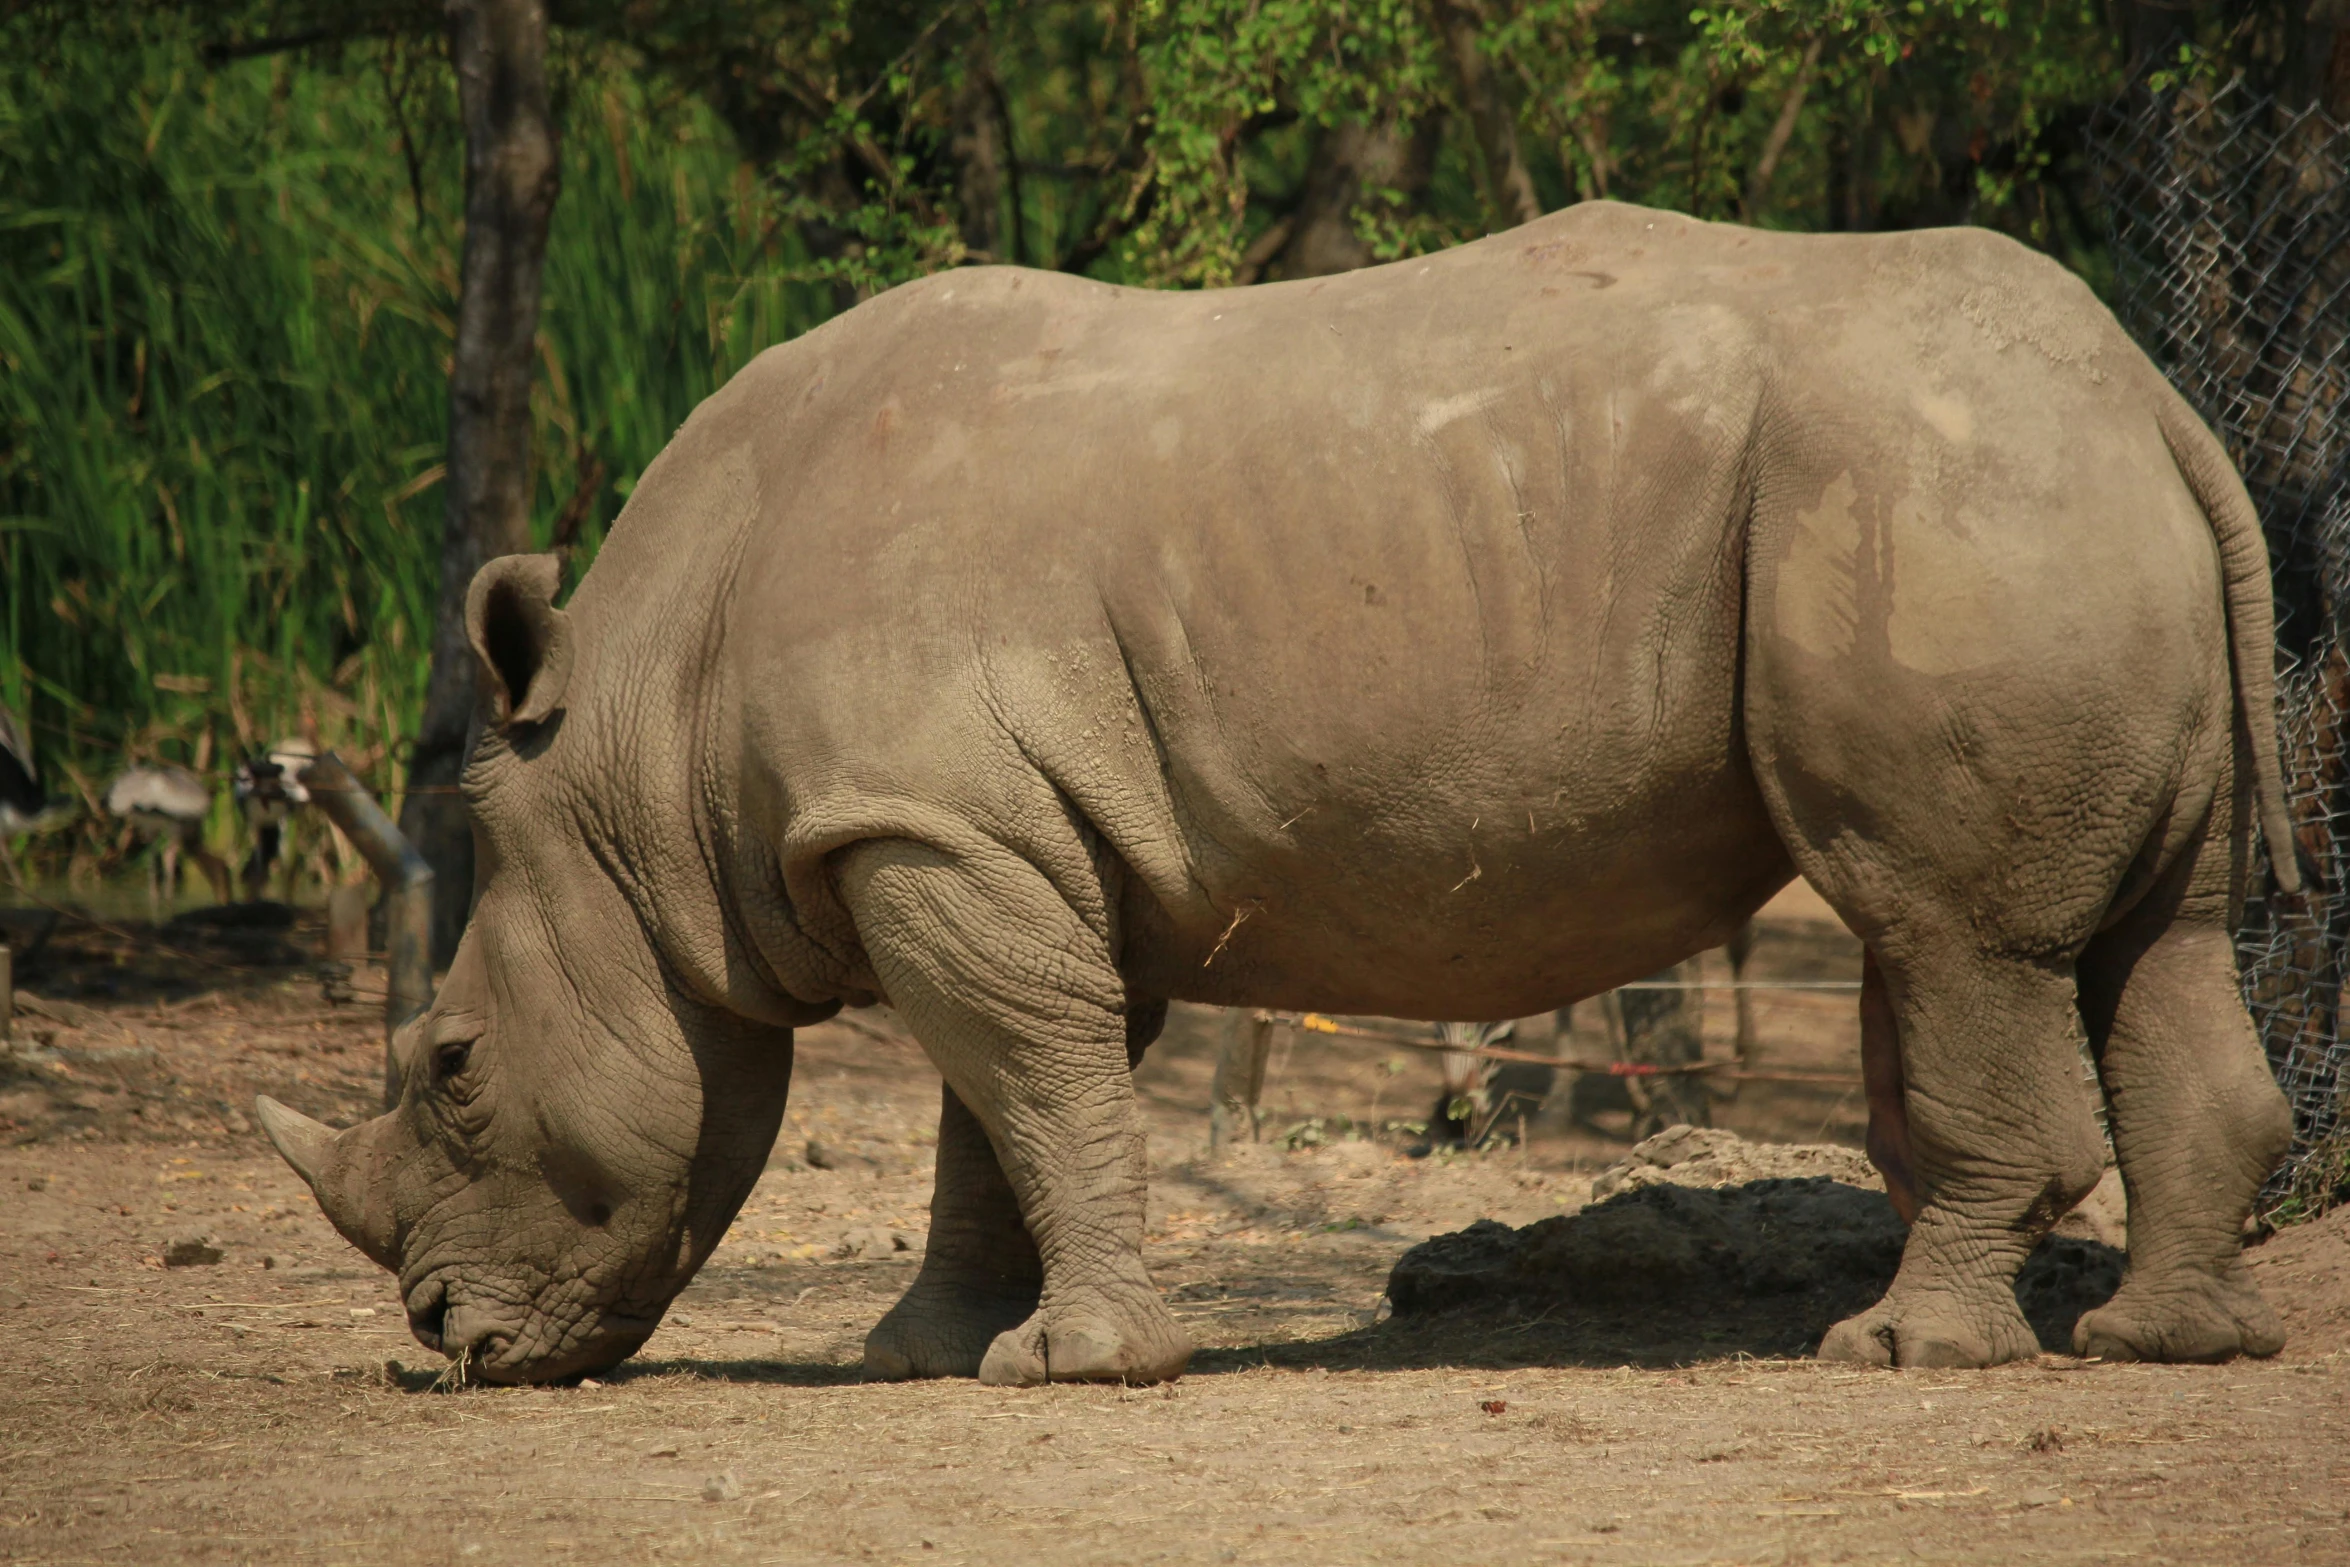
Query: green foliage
x=1163 y=136
x=1219 y=71
x=222 y=397
x=226 y=300
x=226 y=284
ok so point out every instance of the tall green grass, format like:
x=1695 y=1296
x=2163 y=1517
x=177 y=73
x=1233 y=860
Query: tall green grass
x=225 y=320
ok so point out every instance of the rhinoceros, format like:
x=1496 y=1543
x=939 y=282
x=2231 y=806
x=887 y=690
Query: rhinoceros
x=1452 y=639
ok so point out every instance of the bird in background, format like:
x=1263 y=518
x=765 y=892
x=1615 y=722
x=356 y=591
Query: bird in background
x=21 y=798
x=268 y=790
x=24 y=806
x=167 y=805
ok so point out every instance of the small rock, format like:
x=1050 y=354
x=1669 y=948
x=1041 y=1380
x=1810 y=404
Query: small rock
x=36 y=1184
x=727 y=1487
x=683 y=1319
x=235 y=1121
x=362 y=1311
x=268 y=1261
x=2037 y=1498
x=665 y=1450
x=1706 y=1156
x=190 y=1252
x=1679 y=1144
x=870 y=1243
x=864 y=1154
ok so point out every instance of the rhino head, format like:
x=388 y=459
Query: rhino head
x=578 y=1116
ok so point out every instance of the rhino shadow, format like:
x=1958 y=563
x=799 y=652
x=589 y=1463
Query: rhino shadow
x=1666 y=1275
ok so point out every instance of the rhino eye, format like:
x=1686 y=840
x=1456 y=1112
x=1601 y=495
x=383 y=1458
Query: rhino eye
x=450 y=1059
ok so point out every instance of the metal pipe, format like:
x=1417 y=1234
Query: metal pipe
x=407 y=882
x=1240 y=1078
x=1733 y=1070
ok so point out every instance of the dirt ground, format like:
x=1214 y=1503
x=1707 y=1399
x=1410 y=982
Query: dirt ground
x=270 y=1406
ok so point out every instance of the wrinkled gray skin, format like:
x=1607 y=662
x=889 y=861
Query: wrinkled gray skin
x=1448 y=640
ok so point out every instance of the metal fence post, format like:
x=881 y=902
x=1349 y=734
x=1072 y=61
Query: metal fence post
x=1240 y=1077
x=407 y=882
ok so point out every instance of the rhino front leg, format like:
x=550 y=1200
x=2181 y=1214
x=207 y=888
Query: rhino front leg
x=1014 y=995
x=980 y=1272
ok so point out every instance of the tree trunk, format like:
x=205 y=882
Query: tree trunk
x=982 y=164
x=512 y=176
x=1766 y=167
x=1350 y=162
x=1509 y=189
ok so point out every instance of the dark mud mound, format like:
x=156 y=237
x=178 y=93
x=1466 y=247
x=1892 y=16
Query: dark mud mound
x=1772 y=1264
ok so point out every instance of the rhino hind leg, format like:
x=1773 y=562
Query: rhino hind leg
x=1014 y=996
x=980 y=1272
x=2198 y=1122
x=1971 y=1026
x=2001 y=1145
x=1880 y=1068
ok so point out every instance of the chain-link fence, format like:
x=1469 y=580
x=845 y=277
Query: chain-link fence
x=2231 y=230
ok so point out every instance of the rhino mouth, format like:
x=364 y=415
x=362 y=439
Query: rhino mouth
x=503 y=1344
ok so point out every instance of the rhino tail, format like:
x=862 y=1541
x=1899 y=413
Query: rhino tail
x=2243 y=555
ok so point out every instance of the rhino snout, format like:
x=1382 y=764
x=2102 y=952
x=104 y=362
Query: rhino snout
x=470 y=1332
x=455 y=1327
x=539 y=1350
x=428 y=1311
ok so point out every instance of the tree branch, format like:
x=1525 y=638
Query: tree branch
x=1758 y=182
x=1509 y=189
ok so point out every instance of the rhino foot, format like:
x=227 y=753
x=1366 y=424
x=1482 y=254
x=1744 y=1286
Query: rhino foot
x=1933 y=1332
x=2192 y=1317
x=940 y=1328
x=1083 y=1342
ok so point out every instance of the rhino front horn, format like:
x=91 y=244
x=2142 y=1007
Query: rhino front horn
x=305 y=1144
x=338 y=1166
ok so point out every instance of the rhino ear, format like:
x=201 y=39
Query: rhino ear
x=521 y=639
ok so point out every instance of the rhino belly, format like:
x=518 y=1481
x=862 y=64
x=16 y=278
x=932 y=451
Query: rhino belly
x=1496 y=910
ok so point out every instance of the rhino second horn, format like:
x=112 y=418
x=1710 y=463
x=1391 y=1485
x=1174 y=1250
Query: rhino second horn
x=303 y=1143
